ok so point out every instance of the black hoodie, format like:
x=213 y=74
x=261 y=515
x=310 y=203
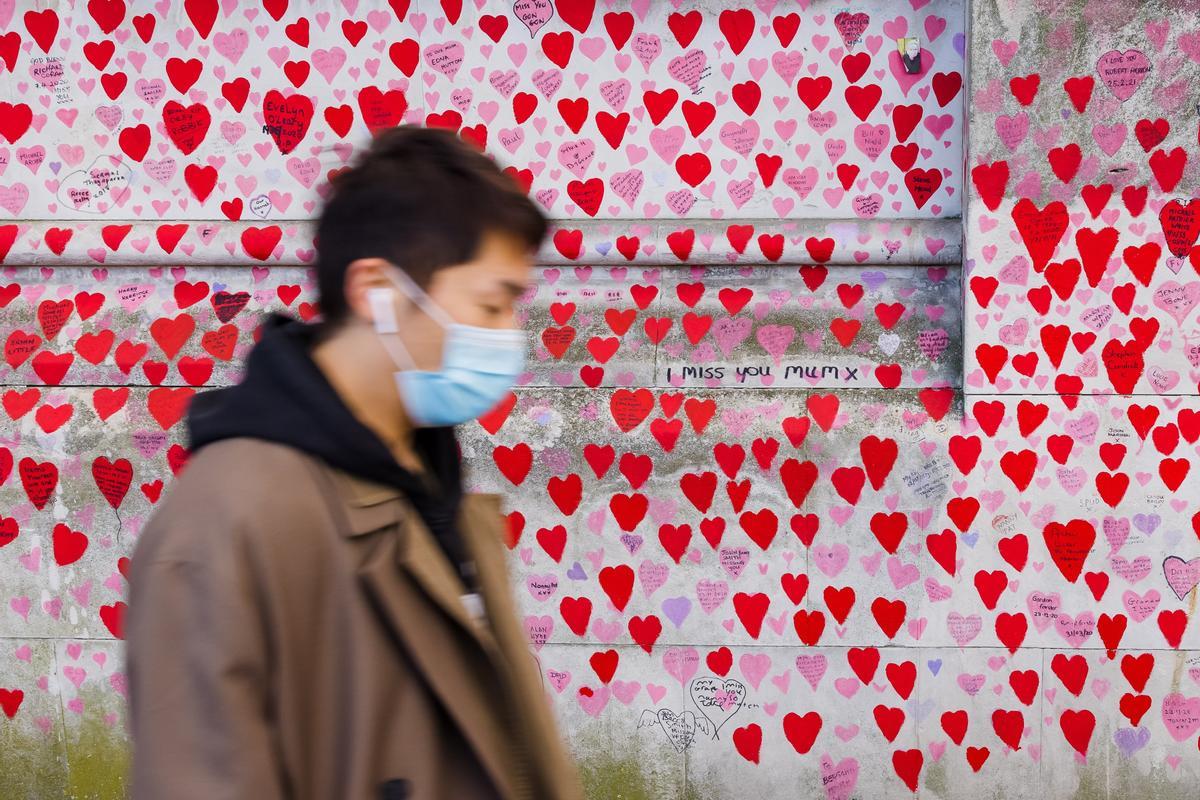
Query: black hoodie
x=285 y=398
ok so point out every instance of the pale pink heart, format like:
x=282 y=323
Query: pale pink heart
x=1182 y=576
x=734 y=559
x=1075 y=630
x=812 y=669
x=963 y=629
x=533 y=14
x=787 y=65
x=1012 y=129
x=711 y=594
x=547 y=81
x=504 y=82
x=688 y=68
x=937 y=592
x=328 y=63
x=867 y=206
x=754 y=667
x=902 y=574
x=627 y=185
x=1043 y=608
x=869 y=563
x=871 y=140
x=595 y=704
x=647 y=47
x=615 y=93
x=666 y=142
x=558 y=679
x=576 y=155
x=740 y=192
x=1177 y=300
x=13 y=198
x=847 y=687
x=1109 y=138
x=21 y=606
x=1140 y=606
x=681 y=663
x=831 y=560
x=840 y=779
x=1132 y=571
x=1181 y=715
x=76 y=675
x=605 y=631
x=971 y=684
x=802 y=182
x=32 y=560
x=729 y=332
x=592 y=47
x=652 y=576
x=626 y=691
x=1123 y=72
x=541 y=587
x=151 y=92
x=232 y=45
x=740 y=137
x=775 y=339
x=821 y=122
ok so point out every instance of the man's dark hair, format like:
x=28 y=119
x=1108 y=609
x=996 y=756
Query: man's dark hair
x=423 y=199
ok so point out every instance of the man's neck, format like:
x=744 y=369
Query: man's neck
x=359 y=370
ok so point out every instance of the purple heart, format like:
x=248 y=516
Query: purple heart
x=603 y=247
x=677 y=609
x=576 y=572
x=920 y=710
x=219 y=287
x=935 y=665
x=874 y=279
x=1146 y=523
x=632 y=543
x=1130 y=740
x=960 y=43
x=970 y=539
x=55 y=166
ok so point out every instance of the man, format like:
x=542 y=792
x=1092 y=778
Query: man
x=316 y=610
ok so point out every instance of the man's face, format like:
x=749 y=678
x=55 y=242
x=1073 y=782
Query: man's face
x=912 y=47
x=482 y=292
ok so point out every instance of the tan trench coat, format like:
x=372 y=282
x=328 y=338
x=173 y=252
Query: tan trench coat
x=295 y=633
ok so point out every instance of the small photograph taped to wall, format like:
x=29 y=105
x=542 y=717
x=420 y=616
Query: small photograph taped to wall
x=910 y=53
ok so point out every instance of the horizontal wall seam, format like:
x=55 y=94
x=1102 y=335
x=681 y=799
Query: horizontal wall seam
x=634 y=242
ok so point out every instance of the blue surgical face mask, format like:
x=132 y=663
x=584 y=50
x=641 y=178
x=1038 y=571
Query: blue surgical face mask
x=479 y=365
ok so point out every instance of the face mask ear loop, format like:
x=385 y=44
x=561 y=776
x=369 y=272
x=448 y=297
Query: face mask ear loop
x=418 y=296
x=385 y=326
x=398 y=351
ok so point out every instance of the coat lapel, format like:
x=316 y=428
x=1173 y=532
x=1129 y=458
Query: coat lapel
x=417 y=595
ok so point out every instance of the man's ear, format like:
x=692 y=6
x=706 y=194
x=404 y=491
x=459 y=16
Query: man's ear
x=363 y=276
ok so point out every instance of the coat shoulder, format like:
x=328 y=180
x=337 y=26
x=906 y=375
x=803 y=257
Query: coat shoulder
x=228 y=489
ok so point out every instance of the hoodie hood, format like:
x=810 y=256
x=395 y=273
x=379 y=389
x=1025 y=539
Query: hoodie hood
x=285 y=398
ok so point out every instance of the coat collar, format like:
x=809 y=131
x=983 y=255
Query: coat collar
x=417 y=592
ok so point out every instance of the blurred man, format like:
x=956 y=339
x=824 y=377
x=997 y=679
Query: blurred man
x=316 y=610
